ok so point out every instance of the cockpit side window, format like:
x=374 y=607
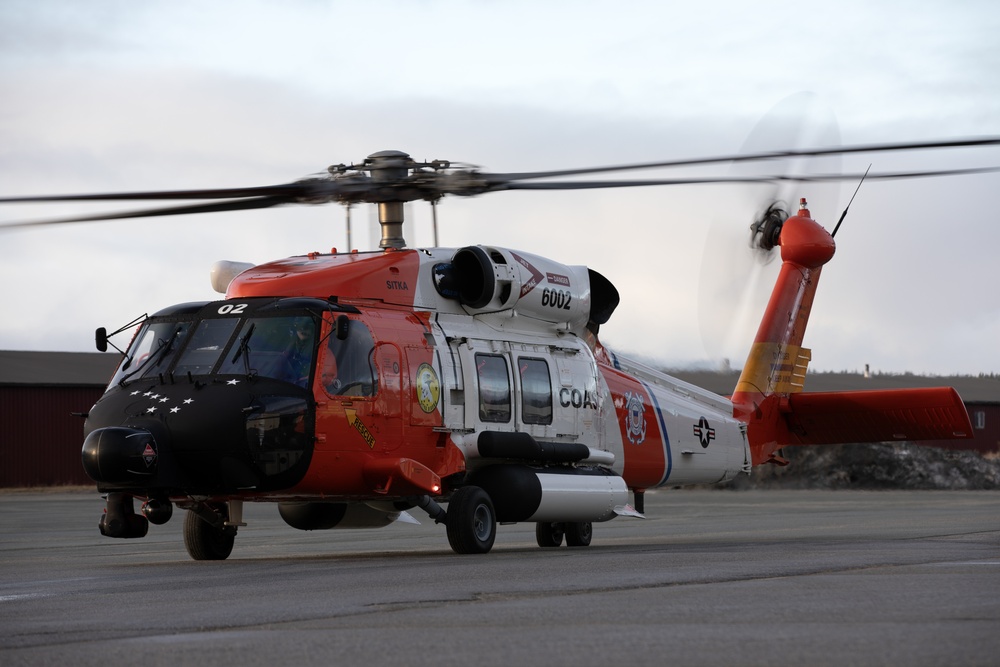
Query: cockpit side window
x=152 y=350
x=347 y=366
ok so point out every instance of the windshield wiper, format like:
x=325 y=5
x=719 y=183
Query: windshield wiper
x=163 y=344
x=158 y=355
x=243 y=349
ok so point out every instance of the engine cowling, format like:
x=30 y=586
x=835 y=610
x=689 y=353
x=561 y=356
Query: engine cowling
x=488 y=280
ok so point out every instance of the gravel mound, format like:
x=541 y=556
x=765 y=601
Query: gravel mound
x=875 y=466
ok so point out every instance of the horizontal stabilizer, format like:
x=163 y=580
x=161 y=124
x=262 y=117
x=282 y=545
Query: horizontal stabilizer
x=628 y=510
x=825 y=418
x=406 y=517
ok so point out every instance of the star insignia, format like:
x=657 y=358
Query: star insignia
x=148 y=393
x=174 y=410
x=188 y=401
x=134 y=392
x=150 y=410
x=233 y=382
x=164 y=399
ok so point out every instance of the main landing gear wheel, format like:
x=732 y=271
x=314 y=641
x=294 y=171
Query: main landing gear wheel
x=206 y=542
x=471 y=521
x=579 y=534
x=549 y=534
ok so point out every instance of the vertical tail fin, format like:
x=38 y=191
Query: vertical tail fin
x=777 y=363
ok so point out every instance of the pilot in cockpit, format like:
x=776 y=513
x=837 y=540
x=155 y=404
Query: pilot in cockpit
x=298 y=355
x=346 y=368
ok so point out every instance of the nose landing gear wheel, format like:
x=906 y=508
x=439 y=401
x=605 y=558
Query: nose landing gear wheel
x=206 y=542
x=471 y=521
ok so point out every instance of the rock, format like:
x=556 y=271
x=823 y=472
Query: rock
x=875 y=466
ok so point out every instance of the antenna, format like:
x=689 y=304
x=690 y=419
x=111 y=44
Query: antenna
x=844 y=214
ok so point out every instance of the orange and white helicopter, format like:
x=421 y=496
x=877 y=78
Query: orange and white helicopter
x=350 y=388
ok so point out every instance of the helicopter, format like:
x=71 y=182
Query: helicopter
x=467 y=383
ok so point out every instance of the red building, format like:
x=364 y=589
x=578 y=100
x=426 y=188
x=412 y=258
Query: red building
x=44 y=395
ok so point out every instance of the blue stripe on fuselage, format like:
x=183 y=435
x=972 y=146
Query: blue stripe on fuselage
x=663 y=430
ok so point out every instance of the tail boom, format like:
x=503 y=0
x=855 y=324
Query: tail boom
x=767 y=396
x=776 y=366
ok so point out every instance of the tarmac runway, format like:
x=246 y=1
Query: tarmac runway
x=709 y=578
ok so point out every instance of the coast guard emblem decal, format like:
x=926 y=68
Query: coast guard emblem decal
x=635 y=418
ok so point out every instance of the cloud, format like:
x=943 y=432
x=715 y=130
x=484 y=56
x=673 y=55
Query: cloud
x=165 y=98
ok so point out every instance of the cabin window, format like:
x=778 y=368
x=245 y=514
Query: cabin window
x=536 y=391
x=494 y=388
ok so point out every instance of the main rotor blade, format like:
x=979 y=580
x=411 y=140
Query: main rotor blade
x=358 y=187
x=769 y=155
x=238 y=205
x=288 y=190
x=775 y=178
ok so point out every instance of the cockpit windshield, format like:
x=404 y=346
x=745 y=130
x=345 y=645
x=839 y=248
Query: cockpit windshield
x=281 y=347
x=207 y=344
x=276 y=347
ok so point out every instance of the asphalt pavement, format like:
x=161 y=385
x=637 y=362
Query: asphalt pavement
x=708 y=578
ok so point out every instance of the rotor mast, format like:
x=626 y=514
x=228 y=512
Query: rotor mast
x=388 y=167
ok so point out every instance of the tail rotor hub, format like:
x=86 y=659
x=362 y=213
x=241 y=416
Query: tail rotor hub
x=765 y=231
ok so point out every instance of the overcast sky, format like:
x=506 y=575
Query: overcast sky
x=118 y=96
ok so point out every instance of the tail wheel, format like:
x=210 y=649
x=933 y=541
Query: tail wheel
x=579 y=534
x=206 y=542
x=471 y=521
x=549 y=534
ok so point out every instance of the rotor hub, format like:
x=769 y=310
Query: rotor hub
x=766 y=230
x=388 y=166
